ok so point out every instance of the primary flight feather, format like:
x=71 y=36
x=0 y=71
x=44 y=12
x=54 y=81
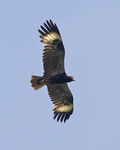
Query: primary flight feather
x=54 y=76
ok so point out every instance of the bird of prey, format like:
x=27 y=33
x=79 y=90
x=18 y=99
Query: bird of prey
x=54 y=76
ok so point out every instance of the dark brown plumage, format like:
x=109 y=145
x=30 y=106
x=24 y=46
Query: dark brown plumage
x=54 y=76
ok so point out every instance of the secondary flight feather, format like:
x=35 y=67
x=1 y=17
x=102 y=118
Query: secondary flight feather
x=54 y=77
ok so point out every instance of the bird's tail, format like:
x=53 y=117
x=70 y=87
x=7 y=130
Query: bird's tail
x=37 y=82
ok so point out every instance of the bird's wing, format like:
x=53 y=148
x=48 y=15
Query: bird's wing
x=53 y=56
x=63 y=100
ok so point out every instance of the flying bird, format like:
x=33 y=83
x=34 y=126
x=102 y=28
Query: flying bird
x=54 y=76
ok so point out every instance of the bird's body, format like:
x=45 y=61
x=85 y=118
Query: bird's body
x=54 y=76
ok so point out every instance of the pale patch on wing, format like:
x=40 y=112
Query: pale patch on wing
x=49 y=38
x=64 y=108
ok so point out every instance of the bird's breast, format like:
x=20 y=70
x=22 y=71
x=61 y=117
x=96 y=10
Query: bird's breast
x=57 y=79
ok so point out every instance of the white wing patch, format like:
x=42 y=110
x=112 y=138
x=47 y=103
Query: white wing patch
x=50 y=37
x=64 y=108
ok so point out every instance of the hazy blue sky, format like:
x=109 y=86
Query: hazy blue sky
x=91 y=34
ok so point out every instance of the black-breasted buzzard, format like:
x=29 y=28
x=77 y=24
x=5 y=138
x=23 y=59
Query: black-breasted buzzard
x=54 y=76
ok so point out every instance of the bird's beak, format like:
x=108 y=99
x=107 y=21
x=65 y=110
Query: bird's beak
x=74 y=79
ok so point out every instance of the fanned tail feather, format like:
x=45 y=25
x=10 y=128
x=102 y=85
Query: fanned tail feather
x=37 y=82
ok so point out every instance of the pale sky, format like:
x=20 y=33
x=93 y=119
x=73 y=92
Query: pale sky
x=91 y=35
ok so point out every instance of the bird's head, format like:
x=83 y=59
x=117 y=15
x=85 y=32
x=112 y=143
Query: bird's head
x=69 y=78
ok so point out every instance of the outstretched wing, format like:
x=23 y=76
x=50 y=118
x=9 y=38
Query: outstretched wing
x=53 y=56
x=63 y=100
